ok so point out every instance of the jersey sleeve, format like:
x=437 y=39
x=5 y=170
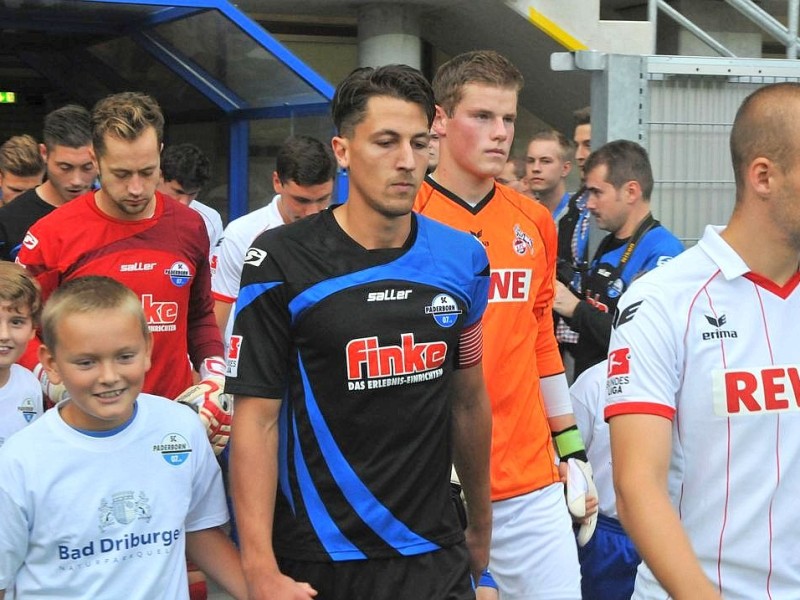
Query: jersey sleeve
x=203 y=334
x=14 y=532
x=258 y=358
x=548 y=357
x=38 y=255
x=207 y=507
x=229 y=256
x=643 y=356
x=480 y=285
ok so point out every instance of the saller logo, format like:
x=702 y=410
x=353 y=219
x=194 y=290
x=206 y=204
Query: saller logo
x=756 y=391
x=365 y=358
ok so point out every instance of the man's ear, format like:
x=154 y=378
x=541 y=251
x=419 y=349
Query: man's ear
x=341 y=150
x=440 y=122
x=759 y=176
x=48 y=360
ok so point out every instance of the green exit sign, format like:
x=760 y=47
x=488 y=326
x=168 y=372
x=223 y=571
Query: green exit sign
x=8 y=98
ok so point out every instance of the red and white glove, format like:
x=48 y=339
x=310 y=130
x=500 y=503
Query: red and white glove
x=55 y=392
x=208 y=400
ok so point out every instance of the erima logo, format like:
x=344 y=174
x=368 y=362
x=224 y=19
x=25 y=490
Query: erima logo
x=719 y=333
x=627 y=314
x=387 y=295
x=478 y=235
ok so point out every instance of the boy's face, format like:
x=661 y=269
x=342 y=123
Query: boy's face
x=16 y=330
x=478 y=136
x=102 y=367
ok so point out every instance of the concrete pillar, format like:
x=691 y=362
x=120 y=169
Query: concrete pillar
x=721 y=21
x=388 y=34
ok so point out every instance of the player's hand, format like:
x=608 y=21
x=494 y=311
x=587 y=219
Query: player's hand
x=565 y=301
x=213 y=406
x=277 y=586
x=54 y=392
x=478 y=542
x=582 y=499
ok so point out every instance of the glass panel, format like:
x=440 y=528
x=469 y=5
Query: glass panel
x=134 y=64
x=237 y=60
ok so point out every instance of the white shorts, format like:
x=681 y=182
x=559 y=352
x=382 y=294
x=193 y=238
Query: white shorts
x=534 y=555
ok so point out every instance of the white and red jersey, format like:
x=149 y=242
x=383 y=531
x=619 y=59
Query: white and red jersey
x=704 y=342
x=229 y=255
x=164 y=259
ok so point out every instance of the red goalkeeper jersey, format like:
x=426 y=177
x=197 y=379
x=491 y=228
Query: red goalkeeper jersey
x=164 y=259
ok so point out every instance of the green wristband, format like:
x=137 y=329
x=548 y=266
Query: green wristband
x=569 y=442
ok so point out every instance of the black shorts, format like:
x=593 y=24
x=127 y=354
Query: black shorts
x=440 y=575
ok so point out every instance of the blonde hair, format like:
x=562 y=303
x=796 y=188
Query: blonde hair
x=20 y=289
x=20 y=156
x=86 y=295
x=125 y=116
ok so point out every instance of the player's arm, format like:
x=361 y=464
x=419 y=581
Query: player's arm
x=222 y=312
x=215 y=554
x=254 y=480
x=472 y=433
x=640 y=450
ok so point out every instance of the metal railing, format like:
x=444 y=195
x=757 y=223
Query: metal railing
x=750 y=10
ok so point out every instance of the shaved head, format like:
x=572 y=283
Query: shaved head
x=765 y=126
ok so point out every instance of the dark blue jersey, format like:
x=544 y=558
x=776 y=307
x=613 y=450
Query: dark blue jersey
x=360 y=345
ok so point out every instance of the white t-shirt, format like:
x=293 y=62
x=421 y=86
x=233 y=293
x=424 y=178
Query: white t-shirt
x=20 y=401
x=228 y=257
x=588 y=395
x=213 y=222
x=107 y=517
x=707 y=344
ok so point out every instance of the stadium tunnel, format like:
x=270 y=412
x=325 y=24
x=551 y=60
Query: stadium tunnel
x=216 y=73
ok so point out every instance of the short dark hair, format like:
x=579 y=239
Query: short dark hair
x=625 y=161
x=582 y=116
x=69 y=126
x=765 y=126
x=349 y=106
x=125 y=116
x=306 y=161
x=479 y=66
x=186 y=164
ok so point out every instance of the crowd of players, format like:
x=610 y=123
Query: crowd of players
x=370 y=346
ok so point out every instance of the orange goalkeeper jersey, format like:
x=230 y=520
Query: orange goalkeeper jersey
x=519 y=343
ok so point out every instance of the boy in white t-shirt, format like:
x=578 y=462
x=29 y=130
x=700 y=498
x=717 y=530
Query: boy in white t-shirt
x=20 y=308
x=121 y=484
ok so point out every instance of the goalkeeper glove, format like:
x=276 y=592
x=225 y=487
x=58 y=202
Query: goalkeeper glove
x=208 y=400
x=55 y=392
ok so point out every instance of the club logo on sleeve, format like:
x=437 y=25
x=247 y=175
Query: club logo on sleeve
x=232 y=358
x=444 y=310
x=619 y=368
x=30 y=241
x=371 y=366
x=27 y=409
x=757 y=391
x=174 y=449
x=509 y=285
x=255 y=257
x=179 y=273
